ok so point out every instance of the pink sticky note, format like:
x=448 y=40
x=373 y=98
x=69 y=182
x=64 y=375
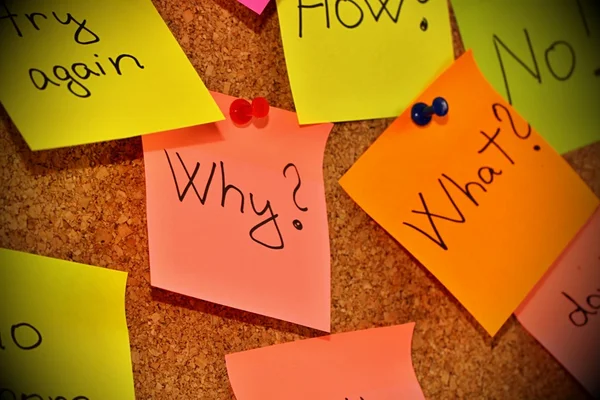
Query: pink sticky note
x=237 y=215
x=372 y=364
x=563 y=310
x=258 y=6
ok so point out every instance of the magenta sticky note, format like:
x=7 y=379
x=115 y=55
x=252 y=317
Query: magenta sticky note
x=258 y=6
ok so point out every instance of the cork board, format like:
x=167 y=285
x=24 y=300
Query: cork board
x=87 y=204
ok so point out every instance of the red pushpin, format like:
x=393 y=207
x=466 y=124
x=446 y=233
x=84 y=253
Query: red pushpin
x=241 y=111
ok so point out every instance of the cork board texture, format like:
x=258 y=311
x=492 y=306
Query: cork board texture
x=87 y=204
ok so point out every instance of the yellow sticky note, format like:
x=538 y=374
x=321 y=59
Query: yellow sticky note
x=478 y=197
x=362 y=59
x=89 y=71
x=63 y=333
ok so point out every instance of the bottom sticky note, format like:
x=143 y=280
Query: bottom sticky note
x=372 y=364
x=63 y=332
x=563 y=311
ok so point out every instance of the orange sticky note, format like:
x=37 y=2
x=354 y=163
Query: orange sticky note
x=372 y=364
x=563 y=311
x=478 y=197
x=237 y=215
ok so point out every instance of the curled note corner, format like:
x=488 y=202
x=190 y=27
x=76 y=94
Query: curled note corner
x=371 y=364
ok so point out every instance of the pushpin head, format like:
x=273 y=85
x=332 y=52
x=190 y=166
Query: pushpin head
x=440 y=106
x=240 y=111
x=260 y=107
x=421 y=113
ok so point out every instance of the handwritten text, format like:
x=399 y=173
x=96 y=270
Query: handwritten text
x=350 y=14
x=72 y=75
x=555 y=52
x=25 y=337
x=228 y=189
x=485 y=177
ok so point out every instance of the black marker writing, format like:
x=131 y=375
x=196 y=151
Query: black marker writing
x=439 y=241
x=7 y=394
x=579 y=316
x=554 y=47
x=383 y=8
x=234 y=196
x=19 y=341
x=583 y=18
x=190 y=178
x=81 y=28
x=351 y=13
x=559 y=50
x=535 y=72
x=80 y=70
x=73 y=74
x=272 y=218
x=24 y=336
x=296 y=223
x=498 y=106
x=485 y=174
x=34 y=18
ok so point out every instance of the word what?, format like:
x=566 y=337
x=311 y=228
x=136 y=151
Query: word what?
x=485 y=174
x=559 y=57
x=77 y=72
x=267 y=210
x=25 y=337
x=351 y=15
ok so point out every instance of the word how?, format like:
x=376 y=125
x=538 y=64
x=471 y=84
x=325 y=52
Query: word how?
x=25 y=337
x=350 y=14
x=557 y=51
x=485 y=174
x=78 y=71
x=225 y=188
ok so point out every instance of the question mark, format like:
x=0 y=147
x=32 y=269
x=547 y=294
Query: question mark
x=424 y=24
x=297 y=224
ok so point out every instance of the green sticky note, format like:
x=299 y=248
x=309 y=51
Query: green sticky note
x=544 y=58
x=62 y=330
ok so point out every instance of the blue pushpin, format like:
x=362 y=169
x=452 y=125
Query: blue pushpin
x=421 y=113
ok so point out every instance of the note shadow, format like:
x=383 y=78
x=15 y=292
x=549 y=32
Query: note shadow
x=184 y=137
x=46 y=162
x=485 y=336
x=435 y=120
x=229 y=313
x=258 y=123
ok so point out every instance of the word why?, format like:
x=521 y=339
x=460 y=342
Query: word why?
x=78 y=71
x=271 y=217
